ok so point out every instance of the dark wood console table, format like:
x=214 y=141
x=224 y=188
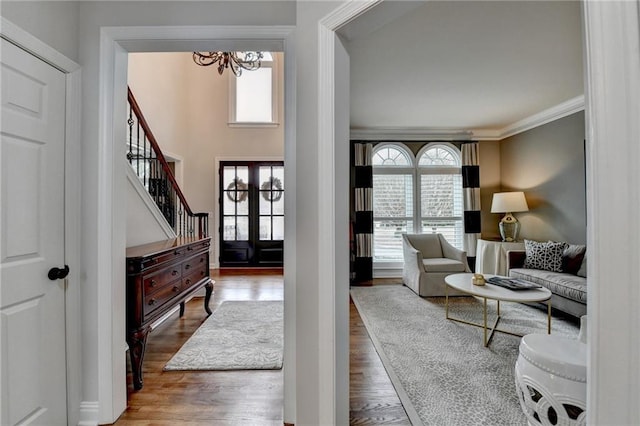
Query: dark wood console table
x=160 y=276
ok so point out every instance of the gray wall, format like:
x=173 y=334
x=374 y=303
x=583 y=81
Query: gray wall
x=547 y=163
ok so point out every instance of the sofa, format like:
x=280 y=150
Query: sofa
x=567 y=282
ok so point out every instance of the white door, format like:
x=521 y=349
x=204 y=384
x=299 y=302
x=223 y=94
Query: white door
x=32 y=307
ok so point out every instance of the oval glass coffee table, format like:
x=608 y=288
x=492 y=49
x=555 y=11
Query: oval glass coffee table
x=462 y=282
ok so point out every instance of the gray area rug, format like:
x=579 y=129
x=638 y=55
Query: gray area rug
x=239 y=335
x=441 y=371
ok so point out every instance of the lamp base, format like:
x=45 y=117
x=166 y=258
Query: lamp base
x=509 y=228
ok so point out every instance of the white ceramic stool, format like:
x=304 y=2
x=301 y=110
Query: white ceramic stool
x=551 y=380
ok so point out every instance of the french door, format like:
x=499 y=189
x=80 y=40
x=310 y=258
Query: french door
x=252 y=213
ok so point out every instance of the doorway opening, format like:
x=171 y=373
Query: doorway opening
x=117 y=44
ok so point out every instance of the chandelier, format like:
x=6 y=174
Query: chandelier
x=237 y=61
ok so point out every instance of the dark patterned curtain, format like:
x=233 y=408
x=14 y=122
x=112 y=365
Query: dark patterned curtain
x=471 y=193
x=362 y=222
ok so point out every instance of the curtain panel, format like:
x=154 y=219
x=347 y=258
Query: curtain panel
x=362 y=221
x=471 y=194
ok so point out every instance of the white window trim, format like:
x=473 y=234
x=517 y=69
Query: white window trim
x=275 y=96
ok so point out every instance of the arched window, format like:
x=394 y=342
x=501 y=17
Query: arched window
x=440 y=183
x=393 y=195
x=391 y=155
x=421 y=194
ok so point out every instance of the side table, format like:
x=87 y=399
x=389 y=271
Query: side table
x=491 y=256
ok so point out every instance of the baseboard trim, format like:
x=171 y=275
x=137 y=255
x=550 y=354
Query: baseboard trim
x=89 y=413
x=387 y=273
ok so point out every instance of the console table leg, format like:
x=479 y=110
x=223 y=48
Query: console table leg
x=181 y=309
x=207 y=297
x=137 y=342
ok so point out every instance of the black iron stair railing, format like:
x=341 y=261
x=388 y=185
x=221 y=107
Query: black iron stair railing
x=147 y=160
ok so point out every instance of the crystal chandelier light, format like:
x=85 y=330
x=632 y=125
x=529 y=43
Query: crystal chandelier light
x=237 y=61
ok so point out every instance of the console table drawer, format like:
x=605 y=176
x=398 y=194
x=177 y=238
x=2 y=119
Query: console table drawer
x=157 y=280
x=155 y=300
x=195 y=276
x=168 y=257
x=195 y=262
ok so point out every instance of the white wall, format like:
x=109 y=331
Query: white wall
x=55 y=23
x=100 y=366
x=341 y=232
x=308 y=286
x=613 y=231
x=142 y=225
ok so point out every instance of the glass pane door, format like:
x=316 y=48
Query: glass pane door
x=252 y=219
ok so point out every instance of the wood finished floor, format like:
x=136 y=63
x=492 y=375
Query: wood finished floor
x=245 y=397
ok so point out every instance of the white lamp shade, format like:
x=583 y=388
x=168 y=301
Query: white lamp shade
x=509 y=202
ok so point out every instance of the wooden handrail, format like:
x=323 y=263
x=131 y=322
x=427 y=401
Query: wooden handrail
x=159 y=156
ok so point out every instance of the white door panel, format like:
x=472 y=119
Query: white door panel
x=32 y=307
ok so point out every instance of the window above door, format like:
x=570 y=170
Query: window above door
x=253 y=97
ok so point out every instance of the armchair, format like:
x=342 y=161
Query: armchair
x=428 y=259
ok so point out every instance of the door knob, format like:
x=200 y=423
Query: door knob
x=58 y=273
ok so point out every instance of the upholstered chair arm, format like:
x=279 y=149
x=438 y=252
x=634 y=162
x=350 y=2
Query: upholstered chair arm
x=451 y=252
x=412 y=257
x=515 y=259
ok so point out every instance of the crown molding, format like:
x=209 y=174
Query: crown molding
x=430 y=133
x=548 y=115
x=409 y=134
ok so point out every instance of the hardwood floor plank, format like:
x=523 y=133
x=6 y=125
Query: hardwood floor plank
x=198 y=398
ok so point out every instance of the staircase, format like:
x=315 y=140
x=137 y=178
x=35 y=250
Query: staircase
x=150 y=165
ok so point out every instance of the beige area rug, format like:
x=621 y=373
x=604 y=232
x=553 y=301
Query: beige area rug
x=441 y=371
x=239 y=335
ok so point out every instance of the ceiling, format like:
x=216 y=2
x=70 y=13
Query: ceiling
x=472 y=66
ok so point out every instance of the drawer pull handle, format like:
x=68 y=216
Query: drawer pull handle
x=202 y=273
x=201 y=259
x=152 y=302
x=189 y=248
x=176 y=289
x=187 y=266
x=177 y=252
x=152 y=283
x=174 y=272
x=188 y=282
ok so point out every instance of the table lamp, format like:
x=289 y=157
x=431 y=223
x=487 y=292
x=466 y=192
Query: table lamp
x=509 y=202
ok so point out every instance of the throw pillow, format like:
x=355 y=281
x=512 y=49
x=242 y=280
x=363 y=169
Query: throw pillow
x=572 y=258
x=582 y=272
x=545 y=256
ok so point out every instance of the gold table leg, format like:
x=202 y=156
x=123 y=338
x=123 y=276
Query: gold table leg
x=446 y=300
x=549 y=316
x=488 y=336
x=485 y=321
